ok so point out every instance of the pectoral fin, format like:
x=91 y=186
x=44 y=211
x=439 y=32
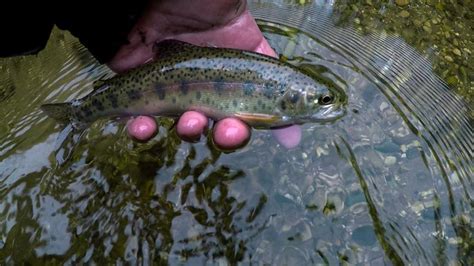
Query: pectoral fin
x=257 y=119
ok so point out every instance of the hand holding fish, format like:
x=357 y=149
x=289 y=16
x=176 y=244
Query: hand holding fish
x=223 y=23
x=165 y=70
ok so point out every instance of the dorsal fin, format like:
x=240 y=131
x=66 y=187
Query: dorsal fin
x=171 y=47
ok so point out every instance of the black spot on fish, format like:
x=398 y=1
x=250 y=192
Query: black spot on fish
x=173 y=100
x=184 y=88
x=219 y=85
x=160 y=91
x=198 y=95
x=78 y=116
x=113 y=99
x=249 y=88
x=98 y=104
x=234 y=102
x=282 y=89
x=134 y=94
x=283 y=105
x=294 y=97
x=86 y=112
x=268 y=90
x=207 y=100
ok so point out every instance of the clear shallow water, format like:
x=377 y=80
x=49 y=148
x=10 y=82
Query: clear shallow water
x=389 y=183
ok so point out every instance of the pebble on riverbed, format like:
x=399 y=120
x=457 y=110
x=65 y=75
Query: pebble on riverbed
x=390 y=160
x=404 y=14
x=402 y=2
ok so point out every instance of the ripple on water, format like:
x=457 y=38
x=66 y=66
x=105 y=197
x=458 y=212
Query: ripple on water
x=390 y=182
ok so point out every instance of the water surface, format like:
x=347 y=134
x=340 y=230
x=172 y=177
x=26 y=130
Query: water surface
x=391 y=182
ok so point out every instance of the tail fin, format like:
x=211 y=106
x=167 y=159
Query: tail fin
x=70 y=134
x=59 y=111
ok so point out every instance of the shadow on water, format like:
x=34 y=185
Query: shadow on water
x=391 y=182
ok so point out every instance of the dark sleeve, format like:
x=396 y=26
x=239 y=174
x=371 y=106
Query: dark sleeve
x=101 y=25
x=23 y=30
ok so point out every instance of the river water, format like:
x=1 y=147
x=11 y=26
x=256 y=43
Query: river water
x=389 y=183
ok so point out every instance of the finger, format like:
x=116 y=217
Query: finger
x=139 y=48
x=289 y=137
x=241 y=33
x=129 y=57
x=141 y=128
x=264 y=48
x=191 y=125
x=231 y=133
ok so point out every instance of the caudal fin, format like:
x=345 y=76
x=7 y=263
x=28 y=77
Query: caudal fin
x=70 y=134
x=59 y=111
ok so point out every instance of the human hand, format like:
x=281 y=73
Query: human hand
x=224 y=23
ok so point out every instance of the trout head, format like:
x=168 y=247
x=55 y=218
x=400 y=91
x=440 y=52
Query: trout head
x=303 y=102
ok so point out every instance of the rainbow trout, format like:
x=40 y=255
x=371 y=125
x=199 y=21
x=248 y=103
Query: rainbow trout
x=218 y=82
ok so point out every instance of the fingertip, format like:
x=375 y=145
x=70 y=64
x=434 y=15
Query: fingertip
x=230 y=134
x=142 y=128
x=289 y=137
x=264 y=48
x=191 y=125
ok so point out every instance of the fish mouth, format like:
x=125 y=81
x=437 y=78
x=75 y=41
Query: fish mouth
x=328 y=113
x=325 y=114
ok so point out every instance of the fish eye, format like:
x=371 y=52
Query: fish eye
x=326 y=99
